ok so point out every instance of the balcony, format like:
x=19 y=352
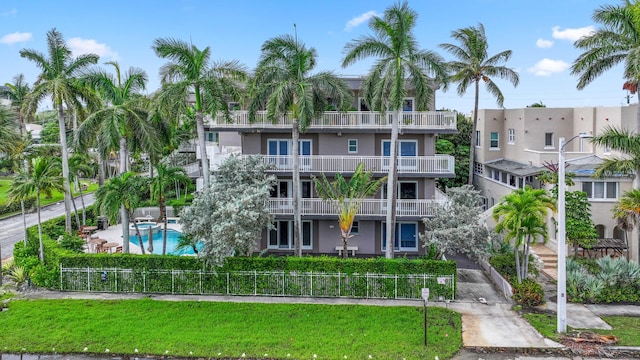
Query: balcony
x=438 y=121
x=415 y=208
x=435 y=165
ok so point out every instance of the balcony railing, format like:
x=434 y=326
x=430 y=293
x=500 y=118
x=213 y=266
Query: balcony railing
x=436 y=164
x=423 y=120
x=369 y=207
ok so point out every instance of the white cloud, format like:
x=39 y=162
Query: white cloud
x=572 y=34
x=15 y=38
x=546 y=67
x=360 y=19
x=88 y=46
x=11 y=12
x=542 y=43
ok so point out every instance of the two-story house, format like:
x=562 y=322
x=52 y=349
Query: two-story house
x=513 y=145
x=337 y=143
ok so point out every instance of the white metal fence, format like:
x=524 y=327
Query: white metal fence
x=257 y=283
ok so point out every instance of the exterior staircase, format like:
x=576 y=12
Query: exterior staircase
x=549 y=259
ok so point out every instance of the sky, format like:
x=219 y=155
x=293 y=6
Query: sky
x=540 y=34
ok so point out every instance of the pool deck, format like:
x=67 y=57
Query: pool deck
x=114 y=234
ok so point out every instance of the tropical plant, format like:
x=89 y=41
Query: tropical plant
x=348 y=196
x=43 y=179
x=400 y=65
x=80 y=166
x=187 y=242
x=58 y=80
x=521 y=216
x=473 y=65
x=231 y=214
x=164 y=178
x=616 y=41
x=8 y=135
x=17 y=92
x=284 y=85
x=624 y=141
x=123 y=191
x=189 y=73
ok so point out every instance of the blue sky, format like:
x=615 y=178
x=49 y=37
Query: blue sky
x=540 y=33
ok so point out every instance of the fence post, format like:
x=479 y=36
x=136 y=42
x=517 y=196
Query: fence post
x=395 y=292
x=61 y=277
x=366 y=278
x=283 y=280
x=200 y=272
x=227 y=283
x=173 y=283
x=311 y=284
x=144 y=281
x=339 y=280
x=115 y=271
x=88 y=280
x=255 y=282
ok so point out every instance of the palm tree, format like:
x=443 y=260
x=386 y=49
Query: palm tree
x=347 y=196
x=122 y=191
x=400 y=64
x=8 y=135
x=17 y=93
x=189 y=73
x=627 y=212
x=44 y=178
x=473 y=65
x=165 y=177
x=58 y=80
x=617 y=41
x=521 y=215
x=284 y=85
x=122 y=122
x=79 y=166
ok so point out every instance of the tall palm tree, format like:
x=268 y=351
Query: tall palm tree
x=80 y=166
x=122 y=121
x=58 y=80
x=472 y=65
x=521 y=216
x=284 y=84
x=627 y=212
x=165 y=177
x=17 y=92
x=189 y=73
x=347 y=196
x=122 y=191
x=400 y=65
x=44 y=179
x=8 y=135
x=617 y=41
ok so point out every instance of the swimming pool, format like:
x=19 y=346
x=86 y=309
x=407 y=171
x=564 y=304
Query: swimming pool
x=172 y=241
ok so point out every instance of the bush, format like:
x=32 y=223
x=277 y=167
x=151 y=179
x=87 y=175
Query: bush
x=505 y=264
x=528 y=293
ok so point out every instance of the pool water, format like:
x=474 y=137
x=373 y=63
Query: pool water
x=172 y=241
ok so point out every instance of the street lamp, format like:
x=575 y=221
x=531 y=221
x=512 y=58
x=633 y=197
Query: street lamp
x=562 y=247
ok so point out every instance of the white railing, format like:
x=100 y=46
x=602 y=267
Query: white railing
x=435 y=164
x=369 y=207
x=258 y=283
x=428 y=120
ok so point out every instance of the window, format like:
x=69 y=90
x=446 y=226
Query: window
x=407 y=104
x=353 y=146
x=600 y=189
x=279 y=151
x=512 y=136
x=548 y=140
x=406 y=237
x=494 y=140
x=211 y=136
x=407 y=152
x=478 y=138
x=355 y=228
x=281 y=236
x=478 y=168
x=233 y=105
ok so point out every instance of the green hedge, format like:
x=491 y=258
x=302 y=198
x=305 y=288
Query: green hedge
x=9 y=208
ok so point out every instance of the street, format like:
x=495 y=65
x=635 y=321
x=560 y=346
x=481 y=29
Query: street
x=12 y=229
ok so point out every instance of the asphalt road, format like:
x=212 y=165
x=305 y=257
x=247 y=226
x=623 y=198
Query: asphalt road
x=12 y=229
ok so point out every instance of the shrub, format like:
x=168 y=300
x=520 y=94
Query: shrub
x=528 y=293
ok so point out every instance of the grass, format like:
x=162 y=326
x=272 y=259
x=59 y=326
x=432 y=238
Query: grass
x=228 y=330
x=624 y=327
x=56 y=196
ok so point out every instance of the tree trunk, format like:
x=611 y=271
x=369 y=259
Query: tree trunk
x=297 y=218
x=163 y=218
x=65 y=169
x=150 y=240
x=24 y=221
x=472 y=148
x=392 y=190
x=135 y=224
x=100 y=170
x=525 y=261
x=84 y=208
x=75 y=211
x=517 y=256
x=345 y=243
x=41 y=245
x=204 y=160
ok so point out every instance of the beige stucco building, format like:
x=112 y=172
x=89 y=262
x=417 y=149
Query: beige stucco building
x=513 y=145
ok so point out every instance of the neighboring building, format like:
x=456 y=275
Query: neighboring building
x=512 y=145
x=336 y=143
x=4 y=99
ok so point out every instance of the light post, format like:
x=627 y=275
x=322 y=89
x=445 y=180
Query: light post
x=562 y=234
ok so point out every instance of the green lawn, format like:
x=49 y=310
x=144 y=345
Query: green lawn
x=624 y=327
x=228 y=330
x=5 y=185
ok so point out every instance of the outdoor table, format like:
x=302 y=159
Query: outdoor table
x=109 y=246
x=98 y=244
